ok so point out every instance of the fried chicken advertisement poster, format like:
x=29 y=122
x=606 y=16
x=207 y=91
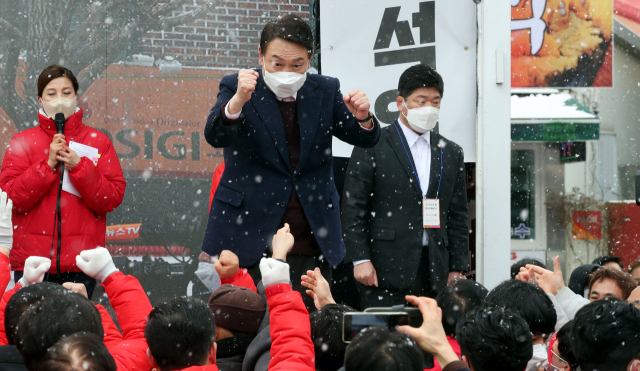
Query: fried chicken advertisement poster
x=561 y=43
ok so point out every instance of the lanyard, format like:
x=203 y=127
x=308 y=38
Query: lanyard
x=395 y=123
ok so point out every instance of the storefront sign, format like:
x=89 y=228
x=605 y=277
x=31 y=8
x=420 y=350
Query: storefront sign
x=554 y=132
x=587 y=225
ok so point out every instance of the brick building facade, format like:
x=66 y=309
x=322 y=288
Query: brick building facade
x=226 y=37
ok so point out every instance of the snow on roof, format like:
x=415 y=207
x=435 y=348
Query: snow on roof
x=560 y=106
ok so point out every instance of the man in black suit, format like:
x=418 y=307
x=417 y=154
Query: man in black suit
x=404 y=207
x=276 y=125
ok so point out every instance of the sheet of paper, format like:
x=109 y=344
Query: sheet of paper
x=82 y=151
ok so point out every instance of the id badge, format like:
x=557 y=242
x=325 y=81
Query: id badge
x=431 y=213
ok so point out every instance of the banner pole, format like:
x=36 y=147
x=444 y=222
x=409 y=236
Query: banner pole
x=493 y=188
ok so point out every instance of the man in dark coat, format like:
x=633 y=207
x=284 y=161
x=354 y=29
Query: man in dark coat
x=404 y=208
x=276 y=125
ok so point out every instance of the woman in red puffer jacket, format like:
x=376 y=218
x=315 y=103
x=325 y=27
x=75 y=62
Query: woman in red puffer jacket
x=30 y=175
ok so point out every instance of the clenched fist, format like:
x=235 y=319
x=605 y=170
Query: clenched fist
x=227 y=265
x=282 y=242
x=358 y=104
x=247 y=80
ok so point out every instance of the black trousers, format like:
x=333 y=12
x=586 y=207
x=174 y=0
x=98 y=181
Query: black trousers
x=371 y=296
x=76 y=277
x=298 y=266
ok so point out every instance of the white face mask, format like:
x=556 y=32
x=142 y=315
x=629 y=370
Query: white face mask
x=67 y=106
x=422 y=119
x=284 y=84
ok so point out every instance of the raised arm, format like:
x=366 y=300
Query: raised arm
x=291 y=347
x=228 y=268
x=223 y=121
x=345 y=127
x=130 y=302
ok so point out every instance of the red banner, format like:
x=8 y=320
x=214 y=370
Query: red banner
x=587 y=225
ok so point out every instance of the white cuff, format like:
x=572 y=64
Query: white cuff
x=368 y=130
x=360 y=262
x=230 y=116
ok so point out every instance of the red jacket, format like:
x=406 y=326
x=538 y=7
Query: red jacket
x=291 y=344
x=241 y=279
x=132 y=306
x=33 y=187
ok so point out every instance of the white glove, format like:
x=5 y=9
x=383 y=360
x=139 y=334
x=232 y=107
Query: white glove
x=34 y=269
x=96 y=263
x=274 y=272
x=6 y=228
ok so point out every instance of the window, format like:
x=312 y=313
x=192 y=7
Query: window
x=523 y=188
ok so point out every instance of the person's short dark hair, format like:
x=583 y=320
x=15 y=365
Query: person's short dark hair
x=579 y=278
x=623 y=280
x=602 y=260
x=522 y=263
x=457 y=300
x=604 y=335
x=634 y=264
x=530 y=301
x=55 y=317
x=22 y=300
x=53 y=72
x=378 y=349
x=494 y=338
x=326 y=333
x=419 y=76
x=291 y=28
x=180 y=333
x=79 y=352
x=564 y=346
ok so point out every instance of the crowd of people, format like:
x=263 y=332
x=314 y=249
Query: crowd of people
x=530 y=322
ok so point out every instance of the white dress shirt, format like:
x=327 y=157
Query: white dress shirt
x=420 y=148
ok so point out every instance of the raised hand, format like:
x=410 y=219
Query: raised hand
x=282 y=242
x=247 y=80
x=96 y=263
x=227 y=265
x=551 y=282
x=34 y=269
x=318 y=287
x=357 y=103
x=430 y=336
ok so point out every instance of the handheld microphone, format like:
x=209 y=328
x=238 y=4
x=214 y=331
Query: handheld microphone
x=60 y=121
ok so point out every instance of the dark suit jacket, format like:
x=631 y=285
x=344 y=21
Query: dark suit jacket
x=382 y=211
x=257 y=180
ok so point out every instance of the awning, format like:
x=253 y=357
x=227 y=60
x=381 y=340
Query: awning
x=552 y=117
